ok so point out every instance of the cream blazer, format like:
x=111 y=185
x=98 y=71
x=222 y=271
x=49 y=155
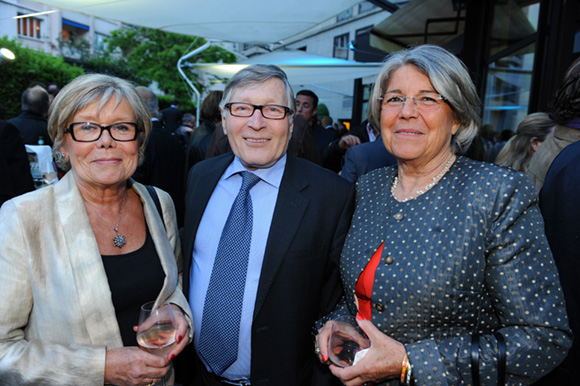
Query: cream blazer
x=57 y=318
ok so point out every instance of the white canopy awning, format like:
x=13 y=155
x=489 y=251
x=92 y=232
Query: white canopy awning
x=245 y=21
x=301 y=67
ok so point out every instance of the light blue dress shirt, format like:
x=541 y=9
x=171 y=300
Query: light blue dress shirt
x=264 y=196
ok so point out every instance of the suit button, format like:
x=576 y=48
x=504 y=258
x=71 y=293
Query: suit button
x=389 y=260
x=379 y=307
x=398 y=216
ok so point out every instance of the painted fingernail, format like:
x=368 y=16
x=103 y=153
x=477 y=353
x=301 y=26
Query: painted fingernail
x=171 y=357
x=324 y=359
x=359 y=317
x=179 y=337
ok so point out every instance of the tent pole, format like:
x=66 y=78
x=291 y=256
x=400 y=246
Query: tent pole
x=188 y=81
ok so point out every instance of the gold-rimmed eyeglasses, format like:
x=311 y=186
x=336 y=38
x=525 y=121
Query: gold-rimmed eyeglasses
x=91 y=132
x=422 y=102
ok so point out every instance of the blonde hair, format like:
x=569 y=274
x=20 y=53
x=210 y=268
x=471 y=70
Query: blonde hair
x=518 y=151
x=87 y=89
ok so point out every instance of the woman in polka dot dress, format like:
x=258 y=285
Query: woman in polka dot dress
x=442 y=247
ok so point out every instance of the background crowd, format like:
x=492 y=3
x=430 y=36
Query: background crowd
x=442 y=236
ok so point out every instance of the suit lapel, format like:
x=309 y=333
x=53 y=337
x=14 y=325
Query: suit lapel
x=199 y=191
x=88 y=274
x=290 y=208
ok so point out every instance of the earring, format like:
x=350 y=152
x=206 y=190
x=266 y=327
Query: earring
x=61 y=156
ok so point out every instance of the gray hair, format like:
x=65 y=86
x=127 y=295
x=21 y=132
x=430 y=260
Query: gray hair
x=258 y=73
x=150 y=100
x=449 y=77
x=87 y=89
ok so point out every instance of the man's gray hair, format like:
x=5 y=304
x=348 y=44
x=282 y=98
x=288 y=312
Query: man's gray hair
x=256 y=74
x=449 y=77
x=35 y=100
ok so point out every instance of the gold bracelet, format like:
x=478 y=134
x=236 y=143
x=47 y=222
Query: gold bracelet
x=405 y=369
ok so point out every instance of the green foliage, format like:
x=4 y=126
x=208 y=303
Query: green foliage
x=322 y=111
x=153 y=54
x=30 y=66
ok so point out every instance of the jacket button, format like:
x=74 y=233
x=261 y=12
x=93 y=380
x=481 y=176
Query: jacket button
x=379 y=307
x=389 y=260
x=398 y=216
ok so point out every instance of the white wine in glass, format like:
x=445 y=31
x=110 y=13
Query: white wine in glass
x=156 y=332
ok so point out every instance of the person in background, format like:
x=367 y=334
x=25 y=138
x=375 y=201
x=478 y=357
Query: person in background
x=199 y=140
x=15 y=176
x=187 y=127
x=32 y=122
x=560 y=205
x=565 y=111
x=256 y=291
x=368 y=156
x=532 y=131
x=445 y=256
x=164 y=159
x=307 y=106
x=172 y=116
x=80 y=257
x=52 y=89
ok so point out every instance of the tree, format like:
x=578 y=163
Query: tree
x=153 y=54
x=30 y=66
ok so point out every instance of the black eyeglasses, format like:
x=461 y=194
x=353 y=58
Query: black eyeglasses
x=245 y=110
x=91 y=132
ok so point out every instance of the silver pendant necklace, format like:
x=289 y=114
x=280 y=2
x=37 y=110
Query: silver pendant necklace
x=428 y=186
x=118 y=240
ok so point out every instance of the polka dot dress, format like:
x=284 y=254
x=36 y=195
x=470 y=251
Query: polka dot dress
x=468 y=255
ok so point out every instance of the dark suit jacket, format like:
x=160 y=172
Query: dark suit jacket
x=300 y=278
x=171 y=118
x=163 y=166
x=15 y=177
x=560 y=206
x=31 y=127
x=363 y=158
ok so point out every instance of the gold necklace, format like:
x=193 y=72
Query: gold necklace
x=428 y=186
x=118 y=240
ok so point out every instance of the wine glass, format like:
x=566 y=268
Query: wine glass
x=348 y=342
x=156 y=332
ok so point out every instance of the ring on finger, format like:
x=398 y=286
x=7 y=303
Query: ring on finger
x=317 y=350
x=152 y=382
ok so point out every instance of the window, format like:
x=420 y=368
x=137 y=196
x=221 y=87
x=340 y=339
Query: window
x=28 y=26
x=345 y=15
x=366 y=6
x=341 y=43
x=509 y=72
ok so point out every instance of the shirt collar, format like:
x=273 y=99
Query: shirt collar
x=272 y=175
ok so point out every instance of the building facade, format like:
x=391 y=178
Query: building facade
x=56 y=32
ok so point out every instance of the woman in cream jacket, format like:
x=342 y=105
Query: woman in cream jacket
x=77 y=259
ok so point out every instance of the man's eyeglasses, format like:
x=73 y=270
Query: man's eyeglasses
x=422 y=102
x=245 y=110
x=91 y=132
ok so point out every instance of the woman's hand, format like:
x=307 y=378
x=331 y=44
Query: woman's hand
x=383 y=360
x=131 y=366
x=321 y=344
x=181 y=332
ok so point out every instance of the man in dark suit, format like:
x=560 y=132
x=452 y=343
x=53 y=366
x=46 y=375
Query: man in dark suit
x=15 y=177
x=164 y=161
x=301 y=214
x=32 y=122
x=172 y=116
x=363 y=158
